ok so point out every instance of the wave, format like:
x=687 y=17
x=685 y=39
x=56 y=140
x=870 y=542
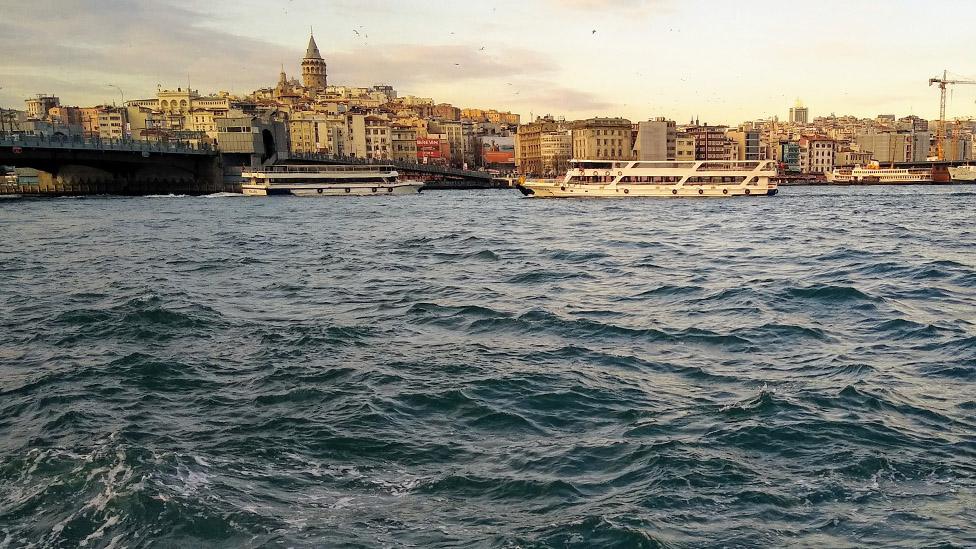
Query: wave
x=830 y=293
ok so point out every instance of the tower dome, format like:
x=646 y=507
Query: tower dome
x=314 y=75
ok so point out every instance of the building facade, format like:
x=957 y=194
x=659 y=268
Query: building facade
x=603 y=139
x=655 y=140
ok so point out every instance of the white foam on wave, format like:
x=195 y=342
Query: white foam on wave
x=222 y=195
x=109 y=522
x=171 y=195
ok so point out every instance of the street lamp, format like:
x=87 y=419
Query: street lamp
x=121 y=93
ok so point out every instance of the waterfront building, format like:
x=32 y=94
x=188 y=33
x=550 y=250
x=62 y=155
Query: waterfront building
x=314 y=70
x=308 y=133
x=789 y=156
x=711 y=142
x=895 y=146
x=528 y=144
x=655 y=140
x=957 y=149
x=355 y=138
x=377 y=138
x=403 y=143
x=555 y=152
x=816 y=154
x=603 y=139
x=849 y=156
x=684 y=147
x=454 y=133
x=748 y=144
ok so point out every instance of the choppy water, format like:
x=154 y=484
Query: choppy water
x=477 y=369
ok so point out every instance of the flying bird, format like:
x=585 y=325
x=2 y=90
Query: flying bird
x=482 y=48
x=356 y=31
x=594 y=32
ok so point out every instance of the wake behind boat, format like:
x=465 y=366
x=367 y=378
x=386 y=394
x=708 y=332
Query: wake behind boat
x=641 y=178
x=324 y=180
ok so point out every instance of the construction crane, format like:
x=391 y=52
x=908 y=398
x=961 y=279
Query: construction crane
x=941 y=132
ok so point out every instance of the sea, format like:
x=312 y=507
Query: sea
x=479 y=369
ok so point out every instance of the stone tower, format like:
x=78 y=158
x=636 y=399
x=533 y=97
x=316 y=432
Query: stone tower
x=313 y=68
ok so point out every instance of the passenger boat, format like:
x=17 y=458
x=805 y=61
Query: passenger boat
x=643 y=178
x=963 y=174
x=874 y=174
x=323 y=180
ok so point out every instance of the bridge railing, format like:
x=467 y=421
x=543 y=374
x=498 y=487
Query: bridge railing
x=96 y=144
x=412 y=166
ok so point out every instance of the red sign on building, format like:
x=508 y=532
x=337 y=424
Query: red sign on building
x=428 y=148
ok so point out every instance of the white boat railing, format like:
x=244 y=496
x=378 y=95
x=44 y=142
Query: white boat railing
x=319 y=168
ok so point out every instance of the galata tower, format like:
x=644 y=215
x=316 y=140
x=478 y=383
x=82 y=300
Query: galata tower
x=313 y=67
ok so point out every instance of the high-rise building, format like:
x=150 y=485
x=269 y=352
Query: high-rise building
x=314 y=74
x=799 y=114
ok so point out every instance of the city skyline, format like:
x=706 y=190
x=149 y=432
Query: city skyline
x=717 y=65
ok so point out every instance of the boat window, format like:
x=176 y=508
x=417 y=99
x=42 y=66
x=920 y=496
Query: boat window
x=716 y=180
x=650 y=180
x=667 y=165
x=727 y=166
x=595 y=165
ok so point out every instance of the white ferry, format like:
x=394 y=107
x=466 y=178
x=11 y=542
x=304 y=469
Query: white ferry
x=642 y=178
x=874 y=174
x=963 y=173
x=323 y=180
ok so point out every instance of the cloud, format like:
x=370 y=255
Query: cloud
x=131 y=44
x=413 y=65
x=612 y=5
x=75 y=49
x=556 y=98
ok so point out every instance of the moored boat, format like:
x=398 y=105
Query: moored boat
x=324 y=180
x=642 y=178
x=963 y=174
x=874 y=174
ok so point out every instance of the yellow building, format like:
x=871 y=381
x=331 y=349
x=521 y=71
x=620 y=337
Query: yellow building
x=377 y=138
x=684 y=147
x=403 y=141
x=603 y=139
x=555 y=151
x=528 y=144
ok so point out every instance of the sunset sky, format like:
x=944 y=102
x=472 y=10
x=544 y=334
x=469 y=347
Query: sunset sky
x=721 y=61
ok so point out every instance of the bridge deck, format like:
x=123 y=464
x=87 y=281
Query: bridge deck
x=94 y=144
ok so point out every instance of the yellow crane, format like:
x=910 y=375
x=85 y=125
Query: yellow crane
x=941 y=130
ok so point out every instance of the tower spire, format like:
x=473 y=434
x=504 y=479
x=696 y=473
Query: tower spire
x=312 y=52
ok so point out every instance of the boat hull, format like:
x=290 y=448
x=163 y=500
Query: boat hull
x=963 y=174
x=557 y=190
x=350 y=189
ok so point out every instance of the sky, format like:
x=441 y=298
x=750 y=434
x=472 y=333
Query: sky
x=720 y=61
